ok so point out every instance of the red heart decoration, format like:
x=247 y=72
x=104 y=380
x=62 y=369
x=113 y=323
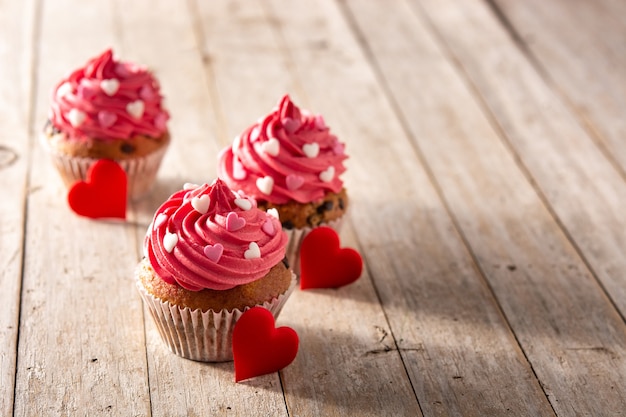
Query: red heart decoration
x=259 y=347
x=103 y=194
x=323 y=264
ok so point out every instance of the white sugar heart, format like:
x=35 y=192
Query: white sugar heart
x=160 y=219
x=311 y=150
x=254 y=133
x=243 y=203
x=110 y=86
x=64 y=89
x=169 y=241
x=189 y=186
x=239 y=172
x=328 y=174
x=76 y=117
x=273 y=212
x=253 y=251
x=271 y=147
x=135 y=108
x=265 y=185
x=214 y=252
x=201 y=203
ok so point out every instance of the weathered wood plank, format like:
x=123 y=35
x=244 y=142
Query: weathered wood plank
x=335 y=372
x=177 y=60
x=459 y=353
x=585 y=191
x=581 y=47
x=17 y=22
x=81 y=341
x=574 y=339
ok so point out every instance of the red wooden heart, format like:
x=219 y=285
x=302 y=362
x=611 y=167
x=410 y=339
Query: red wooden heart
x=259 y=347
x=103 y=194
x=323 y=264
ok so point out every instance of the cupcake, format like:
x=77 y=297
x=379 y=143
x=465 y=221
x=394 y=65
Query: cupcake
x=290 y=161
x=211 y=254
x=108 y=110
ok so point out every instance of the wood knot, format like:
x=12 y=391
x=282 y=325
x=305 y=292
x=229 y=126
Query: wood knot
x=7 y=156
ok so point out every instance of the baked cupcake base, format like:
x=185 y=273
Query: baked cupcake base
x=141 y=170
x=298 y=219
x=202 y=335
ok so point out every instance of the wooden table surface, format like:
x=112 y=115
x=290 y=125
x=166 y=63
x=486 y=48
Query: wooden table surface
x=487 y=175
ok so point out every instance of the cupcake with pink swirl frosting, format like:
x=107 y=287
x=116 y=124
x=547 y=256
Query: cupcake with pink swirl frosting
x=211 y=254
x=108 y=109
x=290 y=161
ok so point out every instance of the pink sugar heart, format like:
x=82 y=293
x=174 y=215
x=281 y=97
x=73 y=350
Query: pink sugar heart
x=291 y=125
x=234 y=222
x=268 y=227
x=294 y=181
x=214 y=252
x=122 y=70
x=106 y=118
x=160 y=121
x=319 y=122
x=146 y=93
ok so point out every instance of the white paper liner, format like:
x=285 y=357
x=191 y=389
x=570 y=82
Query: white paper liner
x=141 y=171
x=295 y=241
x=202 y=336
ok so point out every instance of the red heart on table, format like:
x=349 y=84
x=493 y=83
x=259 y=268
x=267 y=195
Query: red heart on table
x=259 y=347
x=324 y=264
x=103 y=194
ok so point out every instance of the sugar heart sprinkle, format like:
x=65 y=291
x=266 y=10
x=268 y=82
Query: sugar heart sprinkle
x=160 y=219
x=135 y=108
x=76 y=117
x=328 y=174
x=271 y=147
x=169 y=241
x=243 y=203
x=110 y=86
x=234 y=222
x=253 y=251
x=311 y=150
x=201 y=203
x=214 y=252
x=265 y=185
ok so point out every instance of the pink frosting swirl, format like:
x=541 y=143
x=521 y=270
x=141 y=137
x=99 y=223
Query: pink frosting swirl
x=210 y=237
x=287 y=155
x=107 y=99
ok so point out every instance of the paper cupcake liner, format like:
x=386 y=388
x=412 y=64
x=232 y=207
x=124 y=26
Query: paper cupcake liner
x=202 y=336
x=141 y=171
x=295 y=241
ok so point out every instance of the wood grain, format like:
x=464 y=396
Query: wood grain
x=580 y=48
x=585 y=191
x=17 y=21
x=180 y=387
x=329 y=375
x=438 y=307
x=543 y=287
x=486 y=177
x=81 y=341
